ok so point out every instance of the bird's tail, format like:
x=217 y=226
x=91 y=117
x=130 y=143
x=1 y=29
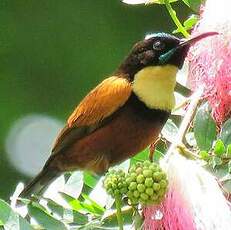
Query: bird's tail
x=39 y=184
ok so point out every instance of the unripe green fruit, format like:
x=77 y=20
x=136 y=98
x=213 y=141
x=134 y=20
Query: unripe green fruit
x=147 y=173
x=157 y=176
x=144 y=196
x=149 y=191
x=150 y=183
x=114 y=183
x=136 y=194
x=133 y=186
x=140 y=187
x=146 y=163
x=163 y=184
x=161 y=192
x=140 y=179
x=156 y=186
x=133 y=176
x=154 y=197
x=139 y=170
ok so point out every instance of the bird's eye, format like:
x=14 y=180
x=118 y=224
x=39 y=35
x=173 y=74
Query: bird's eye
x=158 y=45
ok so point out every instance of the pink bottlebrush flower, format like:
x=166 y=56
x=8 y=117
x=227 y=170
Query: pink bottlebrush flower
x=210 y=59
x=194 y=200
x=172 y=214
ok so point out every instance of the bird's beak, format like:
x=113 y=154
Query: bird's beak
x=195 y=39
x=179 y=52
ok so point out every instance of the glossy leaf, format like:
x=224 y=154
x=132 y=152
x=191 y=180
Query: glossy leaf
x=79 y=218
x=229 y=167
x=12 y=220
x=190 y=138
x=204 y=128
x=75 y=204
x=169 y=131
x=194 y=4
x=81 y=206
x=104 y=199
x=44 y=219
x=190 y=22
x=186 y=2
x=89 y=179
x=225 y=135
x=144 y=155
x=228 y=150
x=98 y=208
x=216 y=161
x=74 y=185
x=223 y=175
x=110 y=219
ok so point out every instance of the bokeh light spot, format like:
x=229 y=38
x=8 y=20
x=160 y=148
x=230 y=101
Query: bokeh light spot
x=29 y=142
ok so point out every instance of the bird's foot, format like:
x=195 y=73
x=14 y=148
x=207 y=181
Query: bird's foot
x=152 y=148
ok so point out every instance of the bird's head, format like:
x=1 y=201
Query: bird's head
x=152 y=66
x=157 y=50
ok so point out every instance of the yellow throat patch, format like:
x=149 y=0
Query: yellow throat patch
x=154 y=86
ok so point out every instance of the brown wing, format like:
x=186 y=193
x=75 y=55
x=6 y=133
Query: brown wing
x=99 y=104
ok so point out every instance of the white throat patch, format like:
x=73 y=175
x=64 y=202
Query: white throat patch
x=154 y=85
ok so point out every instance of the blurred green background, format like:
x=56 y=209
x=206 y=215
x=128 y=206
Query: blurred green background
x=53 y=52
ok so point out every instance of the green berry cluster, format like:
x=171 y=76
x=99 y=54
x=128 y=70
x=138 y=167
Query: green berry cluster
x=115 y=183
x=219 y=150
x=147 y=183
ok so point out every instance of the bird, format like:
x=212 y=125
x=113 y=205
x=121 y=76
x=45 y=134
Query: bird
x=122 y=115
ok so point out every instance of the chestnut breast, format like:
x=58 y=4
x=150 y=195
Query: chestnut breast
x=129 y=130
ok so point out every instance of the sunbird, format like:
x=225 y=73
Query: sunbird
x=123 y=114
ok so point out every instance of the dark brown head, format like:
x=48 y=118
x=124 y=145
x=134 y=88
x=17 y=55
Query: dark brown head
x=158 y=49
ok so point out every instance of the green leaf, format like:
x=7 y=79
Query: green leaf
x=144 y=155
x=226 y=181
x=223 y=176
x=225 y=135
x=190 y=22
x=90 y=179
x=98 y=209
x=110 y=219
x=204 y=128
x=104 y=200
x=10 y=219
x=228 y=150
x=186 y=2
x=169 y=131
x=54 y=207
x=74 y=203
x=82 y=206
x=80 y=218
x=195 y=4
x=229 y=167
x=219 y=148
x=216 y=161
x=190 y=138
x=44 y=219
x=74 y=185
